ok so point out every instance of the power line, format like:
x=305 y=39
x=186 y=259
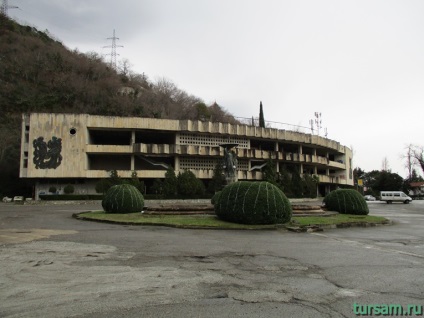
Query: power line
x=113 y=47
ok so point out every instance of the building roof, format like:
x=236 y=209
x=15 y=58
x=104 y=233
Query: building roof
x=416 y=184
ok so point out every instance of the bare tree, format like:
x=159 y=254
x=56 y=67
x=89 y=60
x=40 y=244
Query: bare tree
x=124 y=68
x=409 y=159
x=418 y=155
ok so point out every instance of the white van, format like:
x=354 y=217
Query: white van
x=394 y=196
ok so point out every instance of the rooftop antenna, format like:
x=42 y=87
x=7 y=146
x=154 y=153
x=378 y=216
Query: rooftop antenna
x=5 y=6
x=318 y=121
x=317 y=124
x=113 y=51
x=311 y=122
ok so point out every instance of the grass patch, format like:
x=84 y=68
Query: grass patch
x=189 y=221
x=211 y=221
x=337 y=219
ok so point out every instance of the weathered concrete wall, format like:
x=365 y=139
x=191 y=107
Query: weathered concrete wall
x=73 y=145
x=73 y=129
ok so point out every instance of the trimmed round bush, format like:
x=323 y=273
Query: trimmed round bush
x=258 y=202
x=215 y=197
x=52 y=189
x=346 y=201
x=68 y=189
x=123 y=198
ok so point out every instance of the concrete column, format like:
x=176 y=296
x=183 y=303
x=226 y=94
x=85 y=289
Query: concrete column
x=301 y=169
x=177 y=163
x=132 y=163
x=133 y=137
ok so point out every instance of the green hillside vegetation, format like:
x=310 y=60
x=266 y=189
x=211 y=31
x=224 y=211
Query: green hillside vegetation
x=39 y=74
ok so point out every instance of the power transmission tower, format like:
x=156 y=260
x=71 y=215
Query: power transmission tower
x=113 y=47
x=5 y=6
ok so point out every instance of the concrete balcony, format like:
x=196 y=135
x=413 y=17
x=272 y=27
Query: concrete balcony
x=155 y=149
x=112 y=149
x=335 y=164
x=166 y=149
x=328 y=179
x=320 y=160
x=151 y=174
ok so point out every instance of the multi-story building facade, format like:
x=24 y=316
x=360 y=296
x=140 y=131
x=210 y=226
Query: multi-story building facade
x=58 y=149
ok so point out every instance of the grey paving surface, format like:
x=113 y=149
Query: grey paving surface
x=55 y=266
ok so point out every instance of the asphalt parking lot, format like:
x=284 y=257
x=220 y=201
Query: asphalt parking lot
x=55 y=266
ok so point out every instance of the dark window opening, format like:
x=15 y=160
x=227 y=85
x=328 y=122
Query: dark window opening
x=288 y=148
x=262 y=145
x=154 y=137
x=110 y=137
x=307 y=151
x=322 y=172
x=109 y=162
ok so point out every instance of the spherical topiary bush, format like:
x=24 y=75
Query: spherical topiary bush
x=123 y=198
x=215 y=197
x=257 y=202
x=346 y=201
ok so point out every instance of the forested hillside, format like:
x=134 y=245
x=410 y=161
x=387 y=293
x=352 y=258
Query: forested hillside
x=39 y=74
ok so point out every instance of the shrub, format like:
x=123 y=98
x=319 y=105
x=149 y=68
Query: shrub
x=257 y=202
x=135 y=181
x=123 y=198
x=346 y=201
x=68 y=189
x=215 y=197
x=170 y=183
x=189 y=185
x=310 y=184
x=218 y=179
x=52 y=189
x=157 y=187
x=70 y=197
x=103 y=185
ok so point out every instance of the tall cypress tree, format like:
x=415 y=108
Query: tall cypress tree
x=261 y=117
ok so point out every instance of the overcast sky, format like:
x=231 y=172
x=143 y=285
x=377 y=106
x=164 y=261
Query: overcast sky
x=360 y=63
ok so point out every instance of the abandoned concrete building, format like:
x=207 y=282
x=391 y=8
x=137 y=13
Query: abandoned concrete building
x=59 y=149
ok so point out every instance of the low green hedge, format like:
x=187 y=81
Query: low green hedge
x=150 y=196
x=258 y=202
x=346 y=201
x=70 y=197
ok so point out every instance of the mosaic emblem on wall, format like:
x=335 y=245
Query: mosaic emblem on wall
x=47 y=154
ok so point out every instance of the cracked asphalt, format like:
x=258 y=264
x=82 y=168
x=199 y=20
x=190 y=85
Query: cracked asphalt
x=55 y=266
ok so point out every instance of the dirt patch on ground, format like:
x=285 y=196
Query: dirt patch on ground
x=9 y=236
